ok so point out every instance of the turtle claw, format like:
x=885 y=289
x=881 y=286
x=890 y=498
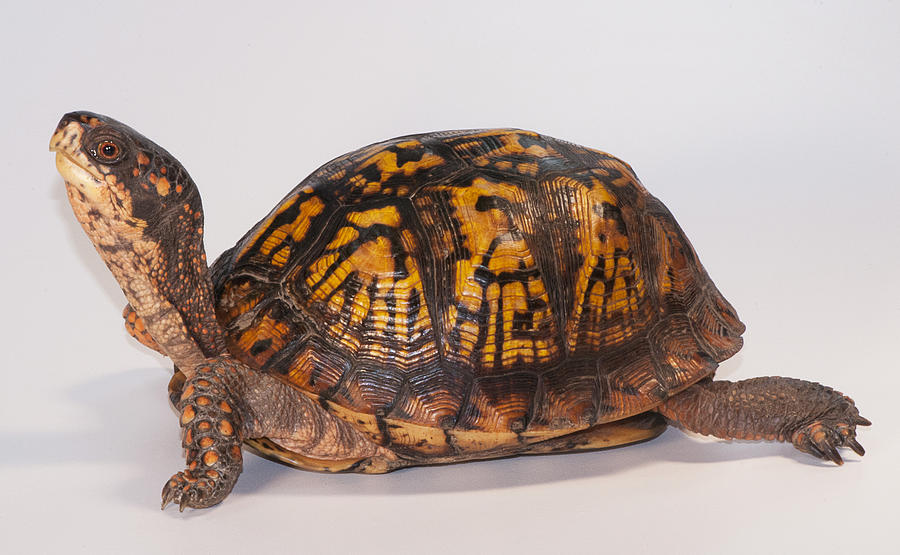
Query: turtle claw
x=186 y=491
x=168 y=495
x=857 y=448
x=822 y=438
x=832 y=454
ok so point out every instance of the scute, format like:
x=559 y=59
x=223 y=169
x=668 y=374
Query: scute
x=464 y=290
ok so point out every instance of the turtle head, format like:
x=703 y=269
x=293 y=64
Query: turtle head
x=143 y=214
x=120 y=173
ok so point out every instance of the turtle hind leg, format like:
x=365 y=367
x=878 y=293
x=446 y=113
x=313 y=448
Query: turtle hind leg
x=815 y=418
x=136 y=329
x=635 y=429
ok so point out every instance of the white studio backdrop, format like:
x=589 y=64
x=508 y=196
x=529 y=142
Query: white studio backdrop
x=768 y=128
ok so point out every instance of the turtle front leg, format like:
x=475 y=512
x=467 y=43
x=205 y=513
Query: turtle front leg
x=136 y=329
x=212 y=431
x=815 y=418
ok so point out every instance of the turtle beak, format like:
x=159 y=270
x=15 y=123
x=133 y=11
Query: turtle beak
x=71 y=161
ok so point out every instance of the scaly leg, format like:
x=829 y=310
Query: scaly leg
x=212 y=431
x=136 y=329
x=225 y=403
x=815 y=418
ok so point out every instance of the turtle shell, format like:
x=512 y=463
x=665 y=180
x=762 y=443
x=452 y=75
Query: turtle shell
x=470 y=289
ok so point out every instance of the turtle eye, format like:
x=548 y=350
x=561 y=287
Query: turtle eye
x=108 y=150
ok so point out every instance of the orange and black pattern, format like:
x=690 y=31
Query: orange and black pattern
x=475 y=280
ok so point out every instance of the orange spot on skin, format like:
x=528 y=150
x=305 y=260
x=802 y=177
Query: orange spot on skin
x=206 y=442
x=203 y=383
x=188 y=436
x=142 y=159
x=225 y=428
x=163 y=170
x=188 y=391
x=203 y=401
x=153 y=179
x=210 y=458
x=162 y=186
x=235 y=452
x=204 y=426
x=225 y=406
x=212 y=474
x=187 y=414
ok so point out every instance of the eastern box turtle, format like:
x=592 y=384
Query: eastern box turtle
x=429 y=299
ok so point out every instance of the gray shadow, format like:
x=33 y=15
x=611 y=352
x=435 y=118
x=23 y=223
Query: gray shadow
x=127 y=430
x=262 y=476
x=135 y=426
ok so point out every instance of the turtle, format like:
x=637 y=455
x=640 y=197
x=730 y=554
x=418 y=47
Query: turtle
x=429 y=299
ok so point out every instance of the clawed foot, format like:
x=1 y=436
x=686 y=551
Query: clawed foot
x=822 y=437
x=211 y=435
x=186 y=490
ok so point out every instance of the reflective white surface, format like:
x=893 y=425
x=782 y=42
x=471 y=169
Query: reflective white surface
x=770 y=131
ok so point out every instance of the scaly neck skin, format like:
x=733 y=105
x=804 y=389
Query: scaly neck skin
x=163 y=274
x=181 y=275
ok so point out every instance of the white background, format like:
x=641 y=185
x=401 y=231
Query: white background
x=770 y=129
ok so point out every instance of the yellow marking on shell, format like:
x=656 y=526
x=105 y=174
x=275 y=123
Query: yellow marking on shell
x=388 y=215
x=509 y=146
x=501 y=133
x=308 y=210
x=528 y=168
x=360 y=308
x=344 y=236
x=296 y=229
x=317 y=271
x=374 y=265
x=386 y=162
x=275 y=238
x=267 y=224
x=264 y=328
x=281 y=257
x=496 y=230
x=610 y=304
x=372 y=260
